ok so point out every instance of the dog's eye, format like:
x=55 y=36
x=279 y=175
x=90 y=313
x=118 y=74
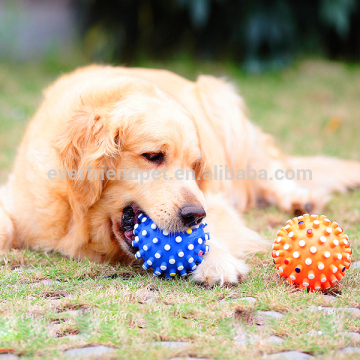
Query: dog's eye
x=157 y=158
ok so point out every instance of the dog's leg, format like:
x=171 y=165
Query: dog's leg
x=230 y=242
x=6 y=229
x=305 y=183
x=281 y=186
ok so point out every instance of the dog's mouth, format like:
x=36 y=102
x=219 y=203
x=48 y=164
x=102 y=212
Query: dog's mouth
x=130 y=217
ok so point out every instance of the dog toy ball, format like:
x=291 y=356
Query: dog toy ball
x=312 y=252
x=169 y=253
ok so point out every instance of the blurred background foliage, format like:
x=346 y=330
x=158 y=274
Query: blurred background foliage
x=261 y=34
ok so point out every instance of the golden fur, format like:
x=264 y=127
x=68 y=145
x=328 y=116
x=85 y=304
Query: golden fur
x=107 y=117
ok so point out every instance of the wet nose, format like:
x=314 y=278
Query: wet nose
x=192 y=214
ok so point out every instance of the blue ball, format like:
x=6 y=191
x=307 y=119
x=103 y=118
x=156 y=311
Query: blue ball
x=169 y=253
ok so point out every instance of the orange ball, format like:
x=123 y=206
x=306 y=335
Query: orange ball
x=312 y=252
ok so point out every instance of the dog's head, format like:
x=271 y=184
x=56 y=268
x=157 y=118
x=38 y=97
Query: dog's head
x=134 y=149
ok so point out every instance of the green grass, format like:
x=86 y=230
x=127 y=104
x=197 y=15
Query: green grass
x=310 y=108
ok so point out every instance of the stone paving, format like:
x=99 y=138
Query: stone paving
x=172 y=344
x=289 y=355
x=349 y=350
x=244 y=338
x=93 y=352
x=8 y=357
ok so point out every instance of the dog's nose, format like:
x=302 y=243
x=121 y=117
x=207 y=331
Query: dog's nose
x=192 y=214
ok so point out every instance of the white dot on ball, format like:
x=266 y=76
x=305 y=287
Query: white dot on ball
x=308 y=261
x=317 y=287
x=321 y=266
x=291 y=234
x=181 y=254
x=278 y=239
x=311 y=276
x=345 y=241
x=153 y=226
x=292 y=277
x=323 y=239
x=191 y=260
x=329 y=230
x=178 y=239
x=277 y=253
x=296 y=254
x=305 y=284
x=316 y=222
x=281 y=269
x=180 y=268
x=149 y=262
x=302 y=243
x=167 y=247
x=163 y=267
x=191 y=247
x=165 y=232
x=336 y=242
x=200 y=241
x=172 y=261
x=155 y=240
x=313 y=249
x=144 y=232
x=145 y=247
x=286 y=246
x=136 y=238
x=144 y=219
x=157 y=255
x=335 y=269
x=136 y=226
x=327 y=254
x=323 y=279
x=339 y=256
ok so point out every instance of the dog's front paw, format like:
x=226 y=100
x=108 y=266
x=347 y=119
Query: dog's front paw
x=220 y=267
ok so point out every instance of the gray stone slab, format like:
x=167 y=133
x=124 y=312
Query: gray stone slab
x=172 y=344
x=271 y=314
x=276 y=340
x=353 y=312
x=75 y=337
x=329 y=298
x=353 y=336
x=247 y=340
x=92 y=352
x=8 y=357
x=349 y=350
x=289 y=355
x=248 y=299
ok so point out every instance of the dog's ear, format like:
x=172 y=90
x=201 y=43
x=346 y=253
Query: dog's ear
x=87 y=149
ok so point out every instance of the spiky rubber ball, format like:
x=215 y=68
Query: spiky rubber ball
x=312 y=252
x=169 y=253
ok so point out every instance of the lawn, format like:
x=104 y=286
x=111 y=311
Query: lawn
x=49 y=304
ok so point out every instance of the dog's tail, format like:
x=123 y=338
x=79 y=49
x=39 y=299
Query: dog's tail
x=325 y=173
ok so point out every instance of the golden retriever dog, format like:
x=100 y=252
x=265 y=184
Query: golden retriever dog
x=103 y=118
